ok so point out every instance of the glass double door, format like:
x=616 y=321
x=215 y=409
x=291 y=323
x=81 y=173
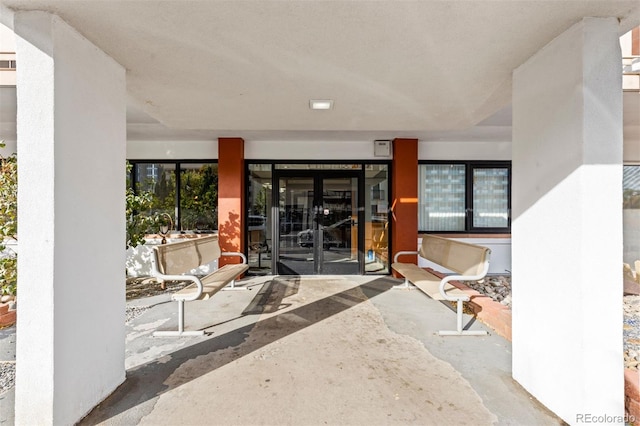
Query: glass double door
x=317 y=223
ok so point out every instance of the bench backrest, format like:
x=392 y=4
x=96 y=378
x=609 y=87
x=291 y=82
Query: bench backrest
x=460 y=257
x=183 y=256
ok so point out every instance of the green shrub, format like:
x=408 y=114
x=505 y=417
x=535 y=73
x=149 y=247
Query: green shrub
x=8 y=222
x=140 y=218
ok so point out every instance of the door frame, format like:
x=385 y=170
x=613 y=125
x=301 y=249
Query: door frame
x=317 y=176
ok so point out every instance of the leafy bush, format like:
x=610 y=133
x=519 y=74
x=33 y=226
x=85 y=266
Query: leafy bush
x=8 y=222
x=140 y=219
x=138 y=222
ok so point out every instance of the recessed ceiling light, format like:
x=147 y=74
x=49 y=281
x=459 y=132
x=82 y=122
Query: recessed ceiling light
x=321 y=104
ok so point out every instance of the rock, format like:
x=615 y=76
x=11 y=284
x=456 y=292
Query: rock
x=6 y=298
x=7 y=375
x=631 y=287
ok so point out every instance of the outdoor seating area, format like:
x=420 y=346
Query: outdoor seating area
x=175 y=262
x=221 y=320
x=323 y=187
x=267 y=344
x=468 y=261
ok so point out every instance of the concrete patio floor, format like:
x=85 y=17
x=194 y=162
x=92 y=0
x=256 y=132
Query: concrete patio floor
x=315 y=350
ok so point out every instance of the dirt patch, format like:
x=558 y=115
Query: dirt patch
x=138 y=287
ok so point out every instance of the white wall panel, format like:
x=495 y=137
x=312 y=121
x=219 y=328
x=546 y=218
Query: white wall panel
x=172 y=150
x=567 y=223
x=71 y=152
x=471 y=150
x=310 y=150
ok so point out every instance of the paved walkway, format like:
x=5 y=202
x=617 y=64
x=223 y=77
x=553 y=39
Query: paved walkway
x=311 y=351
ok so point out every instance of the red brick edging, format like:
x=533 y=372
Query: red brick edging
x=7 y=317
x=632 y=394
x=498 y=317
x=492 y=313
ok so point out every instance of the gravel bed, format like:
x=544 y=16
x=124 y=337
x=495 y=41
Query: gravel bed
x=631 y=332
x=8 y=368
x=7 y=375
x=138 y=287
x=498 y=287
x=134 y=312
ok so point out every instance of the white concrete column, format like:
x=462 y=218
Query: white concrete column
x=567 y=223
x=71 y=161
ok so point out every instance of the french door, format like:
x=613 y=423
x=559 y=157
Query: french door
x=317 y=223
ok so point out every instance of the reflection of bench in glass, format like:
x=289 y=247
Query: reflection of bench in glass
x=379 y=243
x=258 y=244
x=257 y=230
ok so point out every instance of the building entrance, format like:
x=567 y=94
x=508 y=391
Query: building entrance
x=318 y=223
x=317 y=218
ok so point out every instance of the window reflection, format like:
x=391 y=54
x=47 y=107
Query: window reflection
x=376 y=218
x=187 y=192
x=490 y=197
x=160 y=181
x=259 y=218
x=199 y=196
x=631 y=213
x=442 y=193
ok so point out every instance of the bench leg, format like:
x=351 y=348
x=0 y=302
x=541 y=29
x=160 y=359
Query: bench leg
x=405 y=285
x=460 y=331
x=180 y=331
x=232 y=286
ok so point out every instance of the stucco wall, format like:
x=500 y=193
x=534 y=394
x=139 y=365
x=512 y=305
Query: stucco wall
x=172 y=150
x=317 y=150
x=465 y=150
x=567 y=222
x=71 y=152
x=313 y=149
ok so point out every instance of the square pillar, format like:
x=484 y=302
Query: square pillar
x=71 y=127
x=231 y=196
x=567 y=223
x=404 y=181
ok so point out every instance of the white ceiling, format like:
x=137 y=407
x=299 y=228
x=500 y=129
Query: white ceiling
x=426 y=69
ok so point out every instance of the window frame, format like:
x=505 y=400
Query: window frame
x=470 y=166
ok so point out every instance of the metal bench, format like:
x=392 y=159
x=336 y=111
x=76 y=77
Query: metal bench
x=470 y=261
x=173 y=262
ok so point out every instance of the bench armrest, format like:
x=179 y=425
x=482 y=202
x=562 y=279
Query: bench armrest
x=155 y=271
x=401 y=253
x=191 y=278
x=448 y=278
x=235 y=253
x=194 y=279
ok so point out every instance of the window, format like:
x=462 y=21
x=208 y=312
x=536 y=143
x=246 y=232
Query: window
x=442 y=197
x=490 y=197
x=259 y=203
x=185 y=190
x=464 y=197
x=198 y=196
